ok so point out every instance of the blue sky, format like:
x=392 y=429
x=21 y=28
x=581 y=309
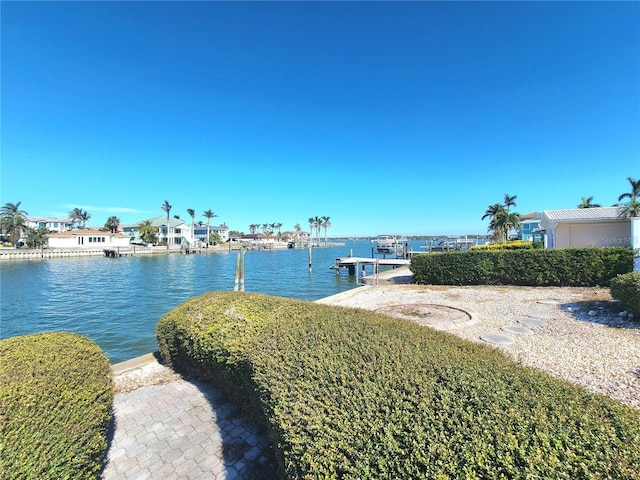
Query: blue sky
x=407 y=118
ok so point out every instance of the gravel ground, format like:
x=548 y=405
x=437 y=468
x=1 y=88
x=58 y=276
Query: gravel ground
x=583 y=335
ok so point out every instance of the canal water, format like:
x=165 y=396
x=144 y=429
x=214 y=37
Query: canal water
x=117 y=302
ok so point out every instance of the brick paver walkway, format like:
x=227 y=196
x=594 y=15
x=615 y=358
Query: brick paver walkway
x=184 y=430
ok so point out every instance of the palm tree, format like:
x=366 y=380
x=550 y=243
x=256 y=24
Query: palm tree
x=12 y=220
x=635 y=190
x=37 y=237
x=112 y=224
x=208 y=214
x=586 y=203
x=313 y=223
x=509 y=201
x=632 y=208
x=326 y=223
x=167 y=208
x=84 y=218
x=492 y=213
x=147 y=232
x=317 y=222
x=75 y=217
x=192 y=214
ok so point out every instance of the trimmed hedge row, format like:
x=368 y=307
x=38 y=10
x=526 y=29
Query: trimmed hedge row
x=56 y=399
x=351 y=394
x=563 y=267
x=626 y=288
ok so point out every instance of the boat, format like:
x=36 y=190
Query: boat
x=391 y=244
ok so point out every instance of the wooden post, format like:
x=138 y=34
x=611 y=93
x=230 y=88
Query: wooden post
x=237 y=276
x=310 y=257
x=242 y=269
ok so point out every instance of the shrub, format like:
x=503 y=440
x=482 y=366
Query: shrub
x=563 y=267
x=56 y=398
x=514 y=245
x=352 y=394
x=626 y=288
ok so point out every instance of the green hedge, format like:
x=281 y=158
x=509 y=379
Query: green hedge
x=56 y=398
x=351 y=394
x=563 y=267
x=626 y=288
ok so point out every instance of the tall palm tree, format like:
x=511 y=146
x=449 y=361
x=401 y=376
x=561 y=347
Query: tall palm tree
x=586 y=203
x=192 y=214
x=317 y=222
x=509 y=201
x=632 y=208
x=112 y=224
x=326 y=223
x=166 y=206
x=13 y=221
x=208 y=214
x=635 y=190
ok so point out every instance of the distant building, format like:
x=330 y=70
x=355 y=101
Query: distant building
x=176 y=234
x=52 y=224
x=584 y=227
x=200 y=232
x=529 y=227
x=89 y=238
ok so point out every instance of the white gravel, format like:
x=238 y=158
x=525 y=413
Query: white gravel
x=583 y=337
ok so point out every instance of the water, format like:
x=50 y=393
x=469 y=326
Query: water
x=117 y=302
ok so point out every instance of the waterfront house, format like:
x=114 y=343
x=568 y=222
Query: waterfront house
x=56 y=225
x=529 y=227
x=176 y=234
x=85 y=239
x=584 y=227
x=200 y=232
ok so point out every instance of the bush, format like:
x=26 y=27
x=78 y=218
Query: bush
x=514 y=245
x=626 y=288
x=352 y=394
x=56 y=398
x=563 y=267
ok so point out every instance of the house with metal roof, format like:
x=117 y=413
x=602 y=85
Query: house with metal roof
x=584 y=227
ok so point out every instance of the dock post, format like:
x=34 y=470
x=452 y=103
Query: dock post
x=242 y=269
x=310 y=260
x=237 y=275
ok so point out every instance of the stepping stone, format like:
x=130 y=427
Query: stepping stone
x=540 y=316
x=517 y=330
x=497 y=339
x=532 y=322
x=547 y=302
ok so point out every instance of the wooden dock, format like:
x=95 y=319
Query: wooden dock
x=356 y=266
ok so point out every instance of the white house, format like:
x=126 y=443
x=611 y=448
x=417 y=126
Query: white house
x=177 y=234
x=52 y=224
x=585 y=227
x=89 y=238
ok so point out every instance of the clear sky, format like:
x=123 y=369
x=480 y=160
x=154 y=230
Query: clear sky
x=388 y=117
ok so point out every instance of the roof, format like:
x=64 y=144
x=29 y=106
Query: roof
x=86 y=232
x=159 y=221
x=582 y=215
x=530 y=216
x=48 y=219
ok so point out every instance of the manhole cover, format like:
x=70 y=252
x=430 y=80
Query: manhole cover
x=517 y=330
x=497 y=339
x=532 y=322
x=429 y=314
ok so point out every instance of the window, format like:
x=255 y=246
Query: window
x=90 y=239
x=178 y=231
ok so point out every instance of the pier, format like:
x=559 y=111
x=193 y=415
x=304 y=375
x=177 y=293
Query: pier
x=357 y=266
